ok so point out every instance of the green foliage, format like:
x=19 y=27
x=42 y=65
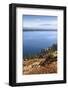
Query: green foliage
x=54 y=47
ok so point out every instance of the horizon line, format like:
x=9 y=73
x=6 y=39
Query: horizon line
x=40 y=30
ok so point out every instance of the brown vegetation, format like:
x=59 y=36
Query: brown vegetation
x=40 y=65
x=44 y=63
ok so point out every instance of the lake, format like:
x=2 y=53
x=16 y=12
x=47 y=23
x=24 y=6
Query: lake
x=34 y=41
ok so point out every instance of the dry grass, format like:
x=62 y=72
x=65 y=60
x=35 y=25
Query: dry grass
x=33 y=66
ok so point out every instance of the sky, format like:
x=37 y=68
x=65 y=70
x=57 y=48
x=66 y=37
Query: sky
x=40 y=22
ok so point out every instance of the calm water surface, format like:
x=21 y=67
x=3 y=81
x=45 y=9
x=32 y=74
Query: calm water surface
x=34 y=41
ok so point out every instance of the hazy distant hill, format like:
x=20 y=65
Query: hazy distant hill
x=26 y=29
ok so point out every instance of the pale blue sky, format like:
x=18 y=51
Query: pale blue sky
x=39 y=22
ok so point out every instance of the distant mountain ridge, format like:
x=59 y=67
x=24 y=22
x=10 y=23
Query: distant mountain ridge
x=25 y=29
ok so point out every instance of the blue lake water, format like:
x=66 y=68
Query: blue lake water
x=34 y=41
